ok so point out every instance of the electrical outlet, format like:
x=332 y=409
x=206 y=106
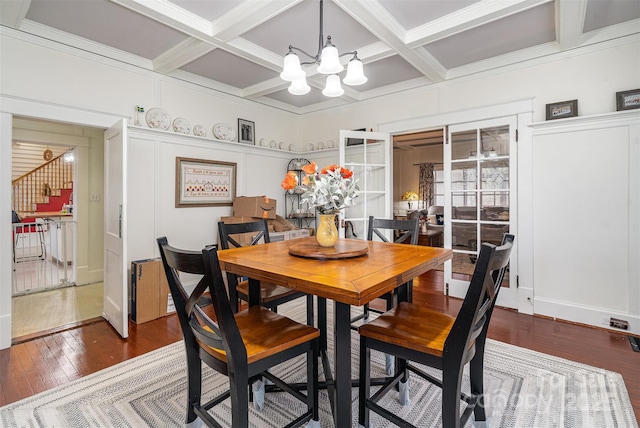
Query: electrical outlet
x=618 y=323
x=605 y=321
x=94 y=197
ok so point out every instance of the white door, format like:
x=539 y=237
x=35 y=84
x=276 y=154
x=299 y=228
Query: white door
x=116 y=307
x=480 y=200
x=369 y=156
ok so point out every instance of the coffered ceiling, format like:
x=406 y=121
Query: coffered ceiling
x=237 y=46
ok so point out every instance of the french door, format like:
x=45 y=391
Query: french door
x=369 y=156
x=480 y=200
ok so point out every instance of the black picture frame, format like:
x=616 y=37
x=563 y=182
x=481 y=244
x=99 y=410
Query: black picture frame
x=628 y=100
x=562 y=109
x=246 y=131
x=356 y=141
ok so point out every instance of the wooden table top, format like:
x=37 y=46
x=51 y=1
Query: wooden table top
x=353 y=281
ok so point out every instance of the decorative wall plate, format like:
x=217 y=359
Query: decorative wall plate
x=331 y=144
x=282 y=145
x=264 y=142
x=181 y=125
x=158 y=119
x=224 y=132
x=199 y=131
x=320 y=145
x=273 y=144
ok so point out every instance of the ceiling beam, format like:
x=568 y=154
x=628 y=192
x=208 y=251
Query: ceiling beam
x=206 y=35
x=472 y=16
x=570 y=17
x=13 y=12
x=376 y=19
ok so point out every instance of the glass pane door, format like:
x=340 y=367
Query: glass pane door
x=479 y=188
x=368 y=155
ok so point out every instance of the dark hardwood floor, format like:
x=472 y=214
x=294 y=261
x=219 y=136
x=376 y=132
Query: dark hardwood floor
x=42 y=363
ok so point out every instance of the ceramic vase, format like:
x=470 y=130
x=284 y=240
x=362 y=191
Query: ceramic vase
x=327 y=233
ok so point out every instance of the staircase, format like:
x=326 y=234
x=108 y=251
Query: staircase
x=45 y=188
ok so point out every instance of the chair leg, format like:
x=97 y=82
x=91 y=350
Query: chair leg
x=238 y=382
x=476 y=378
x=451 y=383
x=194 y=384
x=365 y=366
x=312 y=381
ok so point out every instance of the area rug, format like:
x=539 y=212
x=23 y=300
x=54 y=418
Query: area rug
x=523 y=389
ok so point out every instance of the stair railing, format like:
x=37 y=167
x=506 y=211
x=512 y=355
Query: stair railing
x=38 y=184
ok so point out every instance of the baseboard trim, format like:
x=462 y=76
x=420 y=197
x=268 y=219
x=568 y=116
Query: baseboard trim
x=588 y=316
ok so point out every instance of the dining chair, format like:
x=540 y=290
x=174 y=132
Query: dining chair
x=271 y=295
x=404 y=231
x=242 y=346
x=416 y=334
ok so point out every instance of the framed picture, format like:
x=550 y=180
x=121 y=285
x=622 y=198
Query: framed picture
x=627 y=100
x=562 y=110
x=204 y=183
x=356 y=141
x=246 y=131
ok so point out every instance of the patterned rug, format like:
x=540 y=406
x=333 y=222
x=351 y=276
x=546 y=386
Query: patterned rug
x=523 y=389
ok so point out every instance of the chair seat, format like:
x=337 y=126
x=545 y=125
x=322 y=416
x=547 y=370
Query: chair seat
x=411 y=326
x=257 y=326
x=268 y=292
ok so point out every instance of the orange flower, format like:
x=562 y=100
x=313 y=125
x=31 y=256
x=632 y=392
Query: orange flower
x=329 y=168
x=290 y=181
x=310 y=168
x=346 y=173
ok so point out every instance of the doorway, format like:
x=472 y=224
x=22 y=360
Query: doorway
x=70 y=290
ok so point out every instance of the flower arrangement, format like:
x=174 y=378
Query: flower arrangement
x=328 y=190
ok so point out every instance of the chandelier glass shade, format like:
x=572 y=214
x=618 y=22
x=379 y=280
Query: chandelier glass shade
x=327 y=59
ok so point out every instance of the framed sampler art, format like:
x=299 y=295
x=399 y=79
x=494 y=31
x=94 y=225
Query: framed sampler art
x=204 y=183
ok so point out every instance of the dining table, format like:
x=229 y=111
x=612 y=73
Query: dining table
x=351 y=273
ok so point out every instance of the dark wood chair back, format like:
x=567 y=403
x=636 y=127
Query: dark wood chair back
x=270 y=295
x=225 y=230
x=473 y=318
x=405 y=231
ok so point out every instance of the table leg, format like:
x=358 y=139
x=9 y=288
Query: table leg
x=342 y=365
x=254 y=292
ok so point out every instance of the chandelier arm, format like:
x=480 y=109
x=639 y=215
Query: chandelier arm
x=354 y=53
x=313 y=57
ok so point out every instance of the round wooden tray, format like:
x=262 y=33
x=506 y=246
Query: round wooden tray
x=343 y=249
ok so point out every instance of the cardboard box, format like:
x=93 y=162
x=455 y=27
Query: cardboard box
x=242 y=238
x=254 y=206
x=150 y=297
x=288 y=234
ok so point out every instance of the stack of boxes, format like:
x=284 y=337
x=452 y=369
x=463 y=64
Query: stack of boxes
x=252 y=208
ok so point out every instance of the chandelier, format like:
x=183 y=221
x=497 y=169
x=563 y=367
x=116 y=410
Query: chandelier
x=328 y=61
